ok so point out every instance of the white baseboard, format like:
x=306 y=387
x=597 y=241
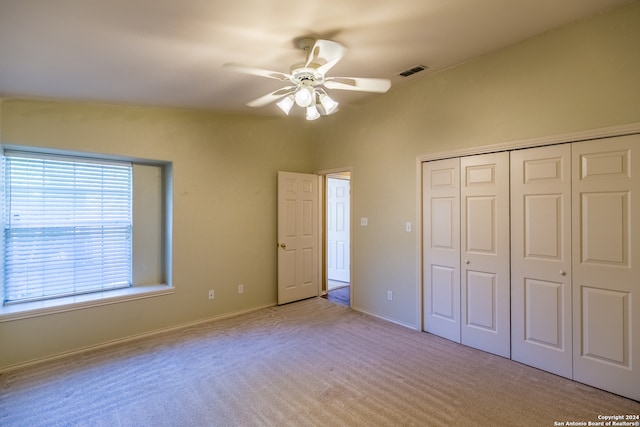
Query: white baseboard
x=129 y=339
x=397 y=322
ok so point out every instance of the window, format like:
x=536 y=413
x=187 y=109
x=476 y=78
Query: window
x=68 y=228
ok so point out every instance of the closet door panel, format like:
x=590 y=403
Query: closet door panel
x=541 y=258
x=441 y=248
x=606 y=276
x=484 y=192
x=481 y=300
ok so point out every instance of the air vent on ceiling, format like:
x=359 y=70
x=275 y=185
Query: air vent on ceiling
x=412 y=71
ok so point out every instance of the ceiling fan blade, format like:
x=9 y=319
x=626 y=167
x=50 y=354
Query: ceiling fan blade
x=271 y=97
x=360 y=84
x=325 y=54
x=245 y=69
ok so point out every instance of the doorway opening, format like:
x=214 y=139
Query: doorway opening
x=338 y=237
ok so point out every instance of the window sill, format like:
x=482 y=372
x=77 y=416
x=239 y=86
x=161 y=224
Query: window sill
x=79 y=302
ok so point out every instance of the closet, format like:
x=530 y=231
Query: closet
x=532 y=254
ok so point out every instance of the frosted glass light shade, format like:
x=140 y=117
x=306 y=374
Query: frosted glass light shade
x=304 y=97
x=329 y=104
x=312 y=112
x=285 y=104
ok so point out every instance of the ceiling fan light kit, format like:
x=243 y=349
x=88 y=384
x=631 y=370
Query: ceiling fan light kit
x=309 y=80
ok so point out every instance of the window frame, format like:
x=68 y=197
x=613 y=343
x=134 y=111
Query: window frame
x=147 y=286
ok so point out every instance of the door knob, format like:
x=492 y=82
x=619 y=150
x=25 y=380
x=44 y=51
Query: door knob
x=466 y=261
x=563 y=273
x=282 y=245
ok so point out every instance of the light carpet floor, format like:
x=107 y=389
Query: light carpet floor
x=310 y=363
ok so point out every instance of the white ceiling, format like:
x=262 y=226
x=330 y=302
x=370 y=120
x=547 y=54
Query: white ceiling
x=171 y=52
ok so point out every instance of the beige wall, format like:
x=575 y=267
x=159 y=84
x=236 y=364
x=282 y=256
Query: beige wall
x=582 y=76
x=224 y=211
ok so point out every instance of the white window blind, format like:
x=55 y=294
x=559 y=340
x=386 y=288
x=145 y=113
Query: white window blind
x=67 y=226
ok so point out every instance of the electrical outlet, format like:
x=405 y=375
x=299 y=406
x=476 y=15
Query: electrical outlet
x=240 y=288
x=364 y=221
x=389 y=295
x=212 y=294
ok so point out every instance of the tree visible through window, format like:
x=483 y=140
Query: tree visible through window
x=67 y=226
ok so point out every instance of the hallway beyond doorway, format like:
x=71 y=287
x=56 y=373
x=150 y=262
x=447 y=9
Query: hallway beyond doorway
x=341 y=295
x=335 y=284
x=337 y=239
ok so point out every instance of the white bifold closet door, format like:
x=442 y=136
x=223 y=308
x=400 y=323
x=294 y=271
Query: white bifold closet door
x=466 y=251
x=484 y=270
x=441 y=248
x=606 y=264
x=535 y=255
x=541 y=258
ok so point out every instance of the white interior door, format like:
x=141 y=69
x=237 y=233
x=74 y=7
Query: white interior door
x=338 y=215
x=541 y=258
x=441 y=248
x=606 y=260
x=298 y=236
x=484 y=272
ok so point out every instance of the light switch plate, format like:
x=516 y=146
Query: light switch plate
x=364 y=222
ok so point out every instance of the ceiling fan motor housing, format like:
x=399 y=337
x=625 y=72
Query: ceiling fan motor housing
x=306 y=76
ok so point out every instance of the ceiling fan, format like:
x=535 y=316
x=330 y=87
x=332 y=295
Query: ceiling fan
x=308 y=82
